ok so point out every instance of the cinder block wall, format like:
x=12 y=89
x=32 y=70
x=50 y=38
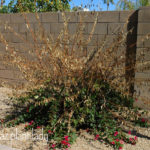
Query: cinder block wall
x=108 y=23
x=142 y=75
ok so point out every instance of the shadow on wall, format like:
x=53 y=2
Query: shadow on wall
x=131 y=51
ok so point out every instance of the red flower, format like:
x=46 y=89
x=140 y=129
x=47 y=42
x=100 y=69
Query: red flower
x=117 y=140
x=30 y=123
x=121 y=142
x=120 y=148
x=116 y=133
x=97 y=136
x=27 y=110
x=135 y=138
x=53 y=145
x=68 y=144
x=143 y=120
x=26 y=125
x=50 y=132
x=64 y=142
x=129 y=132
x=38 y=127
x=112 y=142
x=66 y=137
x=136 y=99
x=131 y=139
x=87 y=130
x=67 y=140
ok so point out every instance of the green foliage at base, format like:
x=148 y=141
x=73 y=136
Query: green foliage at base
x=62 y=113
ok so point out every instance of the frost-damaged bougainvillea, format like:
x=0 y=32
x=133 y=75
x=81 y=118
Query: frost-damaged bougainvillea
x=69 y=92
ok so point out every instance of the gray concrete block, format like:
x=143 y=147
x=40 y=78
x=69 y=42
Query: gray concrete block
x=76 y=27
x=33 y=17
x=91 y=49
x=17 y=18
x=56 y=27
x=115 y=28
x=4 y=18
x=140 y=41
x=30 y=37
x=142 y=95
x=19 y=39
x=101 y=28
x=93 y=41
x=10 y=27
x=144 y=14
x=37 y=27
x=147 y=43
x=49 y=17
x=4 y=66
x=101 y=39
x=24 y=47
x=12 y=84
x=77 y=50
x=25 y=27
x=8 y=37
x=46 y=27
x=108 y=16
x=37 y=37
x=87 y=16
x=4 y=28
x=14 y=27
x=10 y=74
x=2 y=48
x=143 y=28
x=125 y=15
x=53 y=37
x=142 y=75
x=106 y=41
x=72 y=27
x=70 y=16
x=42 y=28
x=143 y=55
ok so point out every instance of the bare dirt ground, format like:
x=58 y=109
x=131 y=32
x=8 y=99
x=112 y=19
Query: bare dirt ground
x=16 y=137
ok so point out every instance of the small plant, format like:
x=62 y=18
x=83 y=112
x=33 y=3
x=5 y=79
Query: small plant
x=142 y=122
